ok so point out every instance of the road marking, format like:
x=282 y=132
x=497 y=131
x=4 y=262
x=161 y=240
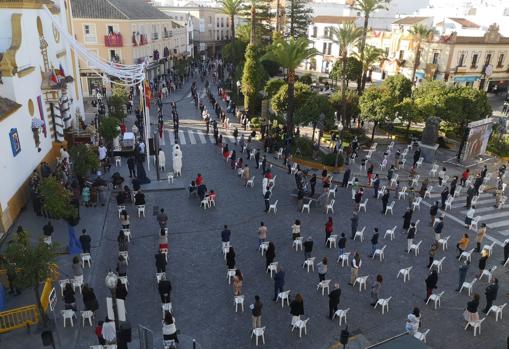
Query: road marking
x=479 y=202
x=162 y=141
x=191 y=137
x=480 y=210
x=504 y=232
x=182 y=139
x=494 y=215
x=230 y=138
x=212 y=140
x=498 y=224
x=201 y=136
x=172 y=137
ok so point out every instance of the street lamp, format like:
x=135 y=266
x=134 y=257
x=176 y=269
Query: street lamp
x=339 y=141
x=111 y=282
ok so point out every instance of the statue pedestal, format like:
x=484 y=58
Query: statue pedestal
x=428 y=152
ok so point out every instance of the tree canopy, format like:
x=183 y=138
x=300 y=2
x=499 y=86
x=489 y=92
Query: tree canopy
x=314 y=105
x=272 y=86
x=298 y=17
x=57 y=200
x=280 y=99
x=353 y=69
x=84 y=158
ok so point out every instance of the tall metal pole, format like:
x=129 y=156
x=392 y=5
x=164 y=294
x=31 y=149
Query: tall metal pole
x=156 y=152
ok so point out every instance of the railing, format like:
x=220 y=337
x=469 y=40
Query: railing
x=18 y=318
x=113 y=40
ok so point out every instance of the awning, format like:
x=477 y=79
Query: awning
x=463 y=78
x=419 y=74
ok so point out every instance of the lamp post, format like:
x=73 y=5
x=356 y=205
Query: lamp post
x=340 y=140
x=111 y=282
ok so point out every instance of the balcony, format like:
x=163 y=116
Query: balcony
x=155 y=36
x=113 y=40
x=139 y=39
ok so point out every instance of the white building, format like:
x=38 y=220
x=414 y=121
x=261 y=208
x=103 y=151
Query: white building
x=39 y=98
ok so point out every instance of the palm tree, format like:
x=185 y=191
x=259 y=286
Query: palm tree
x=347 y=36
x=231 y=8
x=419 y=33
x=371 y=55
x=289 y=55
x=367 y=7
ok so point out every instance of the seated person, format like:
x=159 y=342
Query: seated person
x=268 y=174
x=136 y=184
x=211 y=195
x=127 y=193
x=202 y=189
x=117 y=179
x=121 y=198
x=192 y=188
x=163 y=239
x=139 y=198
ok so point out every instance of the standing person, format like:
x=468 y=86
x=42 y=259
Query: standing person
x=431 y=254
x=346 y=177
x=354 y=224
x=480 y=237
x=246 y=174
x=123 y=243
x=162 y=219
x=431 y=283
x=328 y=230
x=454 y=183
x=169 y=328
x=270 y=254
x=438 y=227
x=385 y=200
x=464 y=177
x=355 y=188
x=230 y=258
x=470 y=196
x=160 y=262
x=300 y=199
x=443 y=196
x=279 y=282
x=257 y=158
x=342 y=244
x=410 y=237
x=164 y=289
x=374 y=242
x=470 y=314
x=407 y=218
x=69 y=299
x=11 y=278
x=124 y=220
x=48 y=229
x=266 y=198
x=296 y=308
x=463 y=269
x=226 y=234
x=433 y=212
x=77 y=269
x=256 y=312
x=237 y=283
x=312 y=183
x=262 y=233
x=334 y=298
x=376 y=185
x=85 y=241
x=375 y=289
x=482 y=262
x=462 y=245
x=491 y=294
x=98 y=333
x=322 y=269
x=308 y=247
x=296 y=229
x=506 y=251
x=369 y=171
x=441 y=175
x=469 y=217
x=356 y=265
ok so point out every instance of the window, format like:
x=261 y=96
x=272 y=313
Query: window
x=475 y=57
x=500 y=62
x=326 y=32
x=387 y=51
x=110 y=29
x=488 y=59
x=461 y=60
x=222 y=22
x=329 y=48
x=324 y=50
x=315 y=32
x=217 y=22
x=210 y=19
x=89 y=33
x=401 y=55
x=435 y=57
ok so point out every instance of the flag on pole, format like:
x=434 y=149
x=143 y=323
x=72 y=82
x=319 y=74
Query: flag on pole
x=148 y=93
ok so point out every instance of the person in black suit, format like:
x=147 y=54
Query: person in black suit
x=165 y=291
x=334 y=297
x=85 y=241
x=161 y=262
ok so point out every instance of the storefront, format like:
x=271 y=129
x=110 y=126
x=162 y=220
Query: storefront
x=466 y=80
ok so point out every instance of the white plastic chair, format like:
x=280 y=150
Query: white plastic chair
x=297 y=243
x=118 y=161
x=127 y=233
x=468 y=286
x=390 y=207
x=279 y=153
x=402 y=193
x=68 y=314
x=343 y=258
x=489 y=248
x=293 y=170
x=415 y=180
x=306 y=206
x=421 y=335
x=77 y=281
x=141 y=211
x=380 y=253
x=443 y=242
x=428 y=191
x=476 y=325
x=497 y=309
x=362 y=282
x=390 y=232
x=330 y=207
x=448 y=202
x=238 y=300
x=167 y=307
x=272 y=268
x=125 y=255
x=415 y=247
x=323 y=285
x=384 y=303
x=489 y=273
x=434 y=170
x=437 y=264
x=86 y=258
x=381 y=191
x=285 y=295
x=272 y=181
x=309 y=263
x=360 y=233
x=120 y=209
x=332 y=240
x=467 y=255
x=435 y=298
x=273 y=207
x=160 y=276
x=341 y=314
x=350 y=182
x=419 y=162
x=205 y=203
x=333 y=191
x=394 y=180
x=363 y=205
x=405 y=272
x=250 y=182
x=171 y=177
x=417 y=203
x=259 y=332
x=62 y=284
x=301 y=324
x=86 y=315
x=264 y=246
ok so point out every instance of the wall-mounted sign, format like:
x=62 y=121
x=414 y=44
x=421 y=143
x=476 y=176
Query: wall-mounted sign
x=15 y=143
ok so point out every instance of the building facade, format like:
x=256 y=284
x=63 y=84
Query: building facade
x=126 y=32
x=40 y=96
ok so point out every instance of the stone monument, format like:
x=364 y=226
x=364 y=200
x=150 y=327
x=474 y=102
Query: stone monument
x=429 y=139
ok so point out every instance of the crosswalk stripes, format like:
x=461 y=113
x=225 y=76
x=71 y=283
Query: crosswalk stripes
x=201 y=136
x=191 y=137
x=182 y=139
x=172 y=137
x=212 y=140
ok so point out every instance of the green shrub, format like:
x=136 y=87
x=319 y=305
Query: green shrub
x=330 y=159
x=304 y=144
x=255 y=122
x=306 y=79
x=498 y=145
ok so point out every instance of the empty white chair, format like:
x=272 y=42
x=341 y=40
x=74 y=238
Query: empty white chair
x=468 y=286
x=68 y=314
x=250 y=182
x=497 y=309
x=360 y=234
x=350 y=182
x=340 y=313
x=301 y=324
x=230 y=273
x=475 y=222
x=476 y=325
x=434 y=170
x=127 y=233
x=239 y=300
x=403 y=162
x=309 y=263
x=417 y=225
x=415 y=180
x=272 y=181
x=489 y=248
x=402 y=193
x=383 y=164
x=77 y=281
x=390 y=207
x=443 y=242
x=381 y=191
x=333 y=191
x=170 y=177
x=448 y=202
x=428 y=191
x=466 y=254
x=437 y=264
x=297 y=243
x=343 y=258
x=279 y=153
x=323 y=285
x=306 y=206
x=362 y=281
x=421 y=335
x=253 y=153
x=285 y=295
x=87 y=315
x=259 y=332
x=363 y=205
x=415 y=247
x=419 y=162
x=390 y=232
x=86 y=259
x=273 y=207
x=118 y=161
x=264 y=246
x=405 y=272
x=379 y=252
x=394 y=179
x=330 y=206
x=384 y=303
x=160 y=276
x=141 y=211
x=435 y=298
x=489 y=273
x=62 y=284
x=294 y=168
x=417 y=203
x=272 y=268
x=120 y=209
x=475 y=199
x=331 y=240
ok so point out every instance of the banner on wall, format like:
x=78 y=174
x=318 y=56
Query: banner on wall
x=41 y=113
x=478 y=137
x=15 y=143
